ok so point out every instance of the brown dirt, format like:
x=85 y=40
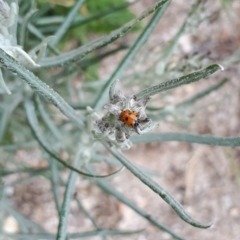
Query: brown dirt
x=205 y=179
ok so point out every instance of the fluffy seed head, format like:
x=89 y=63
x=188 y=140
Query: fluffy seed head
x=117 y=130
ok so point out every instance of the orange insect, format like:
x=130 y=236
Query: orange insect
x=130 y=118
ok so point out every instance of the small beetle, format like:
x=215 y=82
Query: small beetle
x=130 y=118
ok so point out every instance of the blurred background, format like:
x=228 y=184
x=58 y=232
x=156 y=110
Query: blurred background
x=205 y=179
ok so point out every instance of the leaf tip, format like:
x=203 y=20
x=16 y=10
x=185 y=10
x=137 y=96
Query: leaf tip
x=211 y=226
x=207 y=226
x=221 y=67
x=7 y=90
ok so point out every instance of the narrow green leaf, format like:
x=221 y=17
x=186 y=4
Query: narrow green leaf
x=86 y=213
x=81 y=20
x=171 y=46
x=96 y=59
x=22 y=221
x=112 y=89
x=3 y=85
x=46 y=236
x=11 y=65
x=110 y=160
x=19 y=145
x=33 y=123
x=42 y=11
x=103 y=95
x=3 y=124
x=24 y=7
x=1 y=191
x=47 y=120
x=24 y=24
x=51 y=19
x=6 y=114
x=186 y=137
x=69 y=190
x=104 y=233
x=4 y=172
x=38 y=51
x=54 y=186
x=25 y=223
x=1 y=205
x=104 y=13
x=190 y=78
x=165 y=111
x=67 y=22
x=202 y=94
x=32 y=29
x=106 y=187
x=176 y=206
x=80 y=52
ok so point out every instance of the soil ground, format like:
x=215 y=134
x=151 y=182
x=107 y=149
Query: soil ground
x=205 y=179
